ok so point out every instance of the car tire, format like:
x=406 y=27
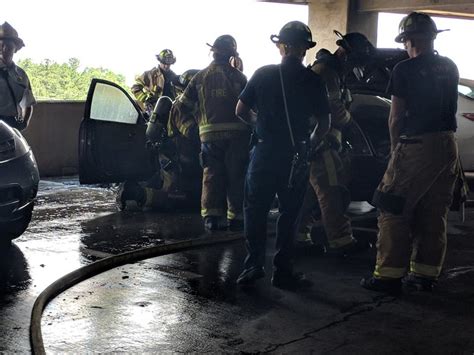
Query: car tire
x=12 y=230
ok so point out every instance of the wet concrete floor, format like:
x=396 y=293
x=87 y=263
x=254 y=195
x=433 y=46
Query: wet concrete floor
x=188 y=302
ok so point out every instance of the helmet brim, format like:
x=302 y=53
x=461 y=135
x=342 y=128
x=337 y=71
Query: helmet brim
x=400 y=38
x=276 y=39
x=17 y=40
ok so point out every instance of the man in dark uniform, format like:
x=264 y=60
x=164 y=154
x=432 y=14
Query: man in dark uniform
x=280 y=101
x=417 y=188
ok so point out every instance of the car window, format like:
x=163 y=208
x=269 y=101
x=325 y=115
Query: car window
x=109 y=103
x=354 y=139
x=466 y=91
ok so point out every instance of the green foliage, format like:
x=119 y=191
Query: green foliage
x=55 y=81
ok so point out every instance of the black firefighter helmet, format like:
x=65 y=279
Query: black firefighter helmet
x=417 y=23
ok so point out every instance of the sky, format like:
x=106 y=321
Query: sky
x=124 y=36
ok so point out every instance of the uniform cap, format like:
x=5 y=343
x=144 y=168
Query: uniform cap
x=8 y=32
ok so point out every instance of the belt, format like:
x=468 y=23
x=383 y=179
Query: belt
x=407 y=140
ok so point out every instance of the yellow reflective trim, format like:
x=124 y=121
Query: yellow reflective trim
x=330 y=167
x=389 y=272
x=236 y=216
x=341 y=242
x=185 y=127
x=141 y=96
x=149 y=194
x=215 y=127
x=212 y=212
x=425 y=270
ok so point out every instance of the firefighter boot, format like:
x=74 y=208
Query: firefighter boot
x=290 y=280
x=130 y=192
x=235 y=225
x=250 y=275
x=412 y=282
x=392 y=287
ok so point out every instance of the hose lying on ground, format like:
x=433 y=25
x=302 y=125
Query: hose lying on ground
x=88 y=271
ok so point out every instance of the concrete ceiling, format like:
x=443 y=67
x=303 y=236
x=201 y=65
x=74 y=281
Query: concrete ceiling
x=452 y=8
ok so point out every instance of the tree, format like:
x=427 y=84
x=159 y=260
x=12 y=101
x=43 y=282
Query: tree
x=55 y=81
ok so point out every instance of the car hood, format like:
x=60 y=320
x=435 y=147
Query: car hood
x=12 y=144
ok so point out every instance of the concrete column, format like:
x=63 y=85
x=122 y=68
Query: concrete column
x=363 y=22
x=325 y=16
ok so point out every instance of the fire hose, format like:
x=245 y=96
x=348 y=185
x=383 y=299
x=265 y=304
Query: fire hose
x=95 y=268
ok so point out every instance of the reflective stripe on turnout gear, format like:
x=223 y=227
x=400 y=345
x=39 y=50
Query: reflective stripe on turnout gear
x=389 y=272
x=429 y=271
x=341 y=242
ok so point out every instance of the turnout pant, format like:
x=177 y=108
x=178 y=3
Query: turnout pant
x=224 y=165
x=414 y=199
x=329 y=175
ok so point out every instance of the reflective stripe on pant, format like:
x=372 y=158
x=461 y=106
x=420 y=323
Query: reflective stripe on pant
x=423 y=176
x=329 y=174
x=224 y=165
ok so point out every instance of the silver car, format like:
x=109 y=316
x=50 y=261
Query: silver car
x=19 y=178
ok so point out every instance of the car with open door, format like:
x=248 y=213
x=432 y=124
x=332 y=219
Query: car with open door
x=113 y=146
x=112 y=141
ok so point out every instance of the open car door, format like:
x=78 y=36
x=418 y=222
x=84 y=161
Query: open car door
x=112 y=142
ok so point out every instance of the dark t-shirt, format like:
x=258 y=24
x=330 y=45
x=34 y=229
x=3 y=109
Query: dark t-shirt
x=428 y=84
x=306 y=96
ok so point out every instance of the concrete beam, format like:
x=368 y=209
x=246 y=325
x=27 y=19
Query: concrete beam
x=460 y=7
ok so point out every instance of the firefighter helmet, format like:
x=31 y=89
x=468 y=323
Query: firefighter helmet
x=166 y=56
x=355 y=44
x=186 y=77
x=226 y=45
x=417 y=23
x=293 y=33
x=8 y=32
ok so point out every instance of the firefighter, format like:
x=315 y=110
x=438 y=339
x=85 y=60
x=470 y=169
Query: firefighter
x=281 y=102
x=16 y=96
x=174 y=138
x=416 y=191
x=330 y=167
x=156 y=82
x=211 y=97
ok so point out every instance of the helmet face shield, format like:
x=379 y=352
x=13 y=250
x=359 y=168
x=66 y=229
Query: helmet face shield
x=166 y=56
